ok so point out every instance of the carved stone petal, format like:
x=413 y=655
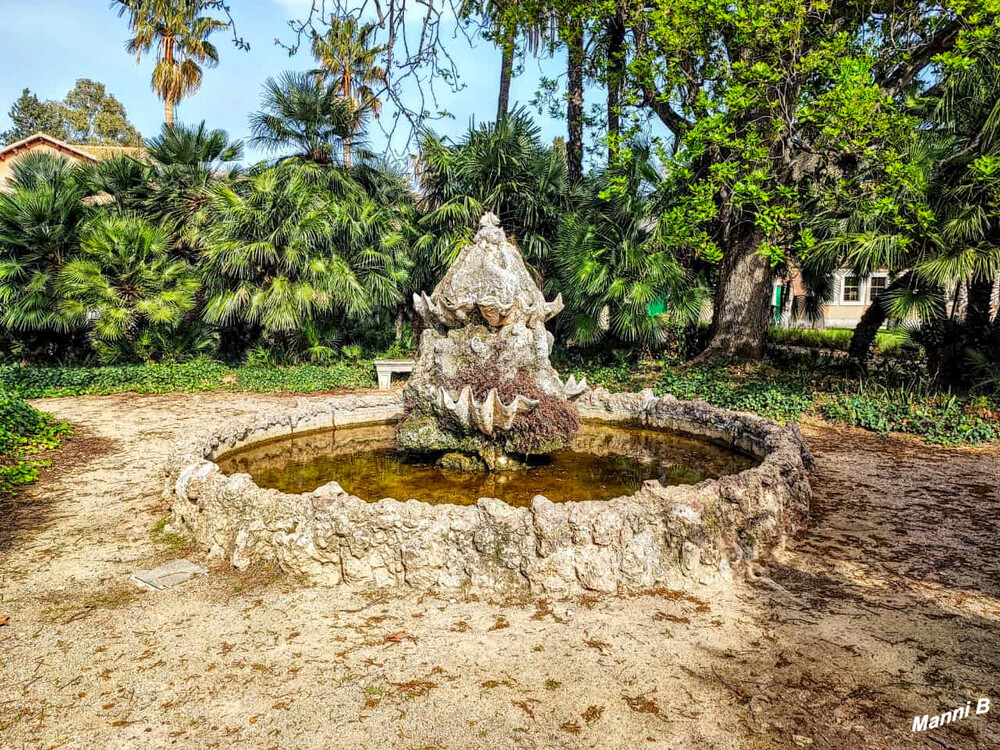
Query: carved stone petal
x=572 y=388
x=553 y=308
x=482 y=415
x=494 y=311
x=486 y=416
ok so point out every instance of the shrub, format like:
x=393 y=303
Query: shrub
x=24 y=431
x=198 y=375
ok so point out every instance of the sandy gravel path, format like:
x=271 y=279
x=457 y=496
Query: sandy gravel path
x=894 y=610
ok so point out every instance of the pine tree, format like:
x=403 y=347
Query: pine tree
x=30 y=116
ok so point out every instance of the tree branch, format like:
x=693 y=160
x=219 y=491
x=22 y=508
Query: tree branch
x=902 y=76
x=677 y=124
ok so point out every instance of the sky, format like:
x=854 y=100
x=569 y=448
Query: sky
x=46 y=45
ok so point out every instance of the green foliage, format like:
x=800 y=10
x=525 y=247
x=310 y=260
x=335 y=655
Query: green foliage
x=503 y=168
x=40 y=222
x=88 y=114
x=28 y=116
x=938 y=418
x=295 y=249
x=302 y=113
x=195 y=376
x=803 y=389
x=179 y=31
x=780 y=397
x=172 y=189
x=92 y=115
x=23 y=432
x=891 y=341
x=614 y=261
x=348 y=61
x=125 y=287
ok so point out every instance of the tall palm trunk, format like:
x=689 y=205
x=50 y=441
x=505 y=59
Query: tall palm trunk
x=350 y=100
x=574 y=102
x=616 y=78
x=979 y=313
x=506 y=71
x=168 y=97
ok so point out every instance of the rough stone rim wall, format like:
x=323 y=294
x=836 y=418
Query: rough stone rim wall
x=681 y=536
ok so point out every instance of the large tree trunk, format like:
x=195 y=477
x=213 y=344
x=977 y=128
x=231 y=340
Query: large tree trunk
x=168 y=112
x=742 y=305
x=506 y=70
x=574 y=103
x=616 y=77
x=347 y=152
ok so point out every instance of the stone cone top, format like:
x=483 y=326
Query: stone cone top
x=490 y=276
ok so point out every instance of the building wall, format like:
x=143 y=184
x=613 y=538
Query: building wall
x=7 y=165
x=852 y=296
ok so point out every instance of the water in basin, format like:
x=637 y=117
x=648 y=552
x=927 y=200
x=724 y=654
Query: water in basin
x=603 y=462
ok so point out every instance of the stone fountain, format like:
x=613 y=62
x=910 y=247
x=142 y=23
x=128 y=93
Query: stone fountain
x=483 y=389
x=483 y=397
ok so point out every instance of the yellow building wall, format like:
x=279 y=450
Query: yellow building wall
x=7 y=165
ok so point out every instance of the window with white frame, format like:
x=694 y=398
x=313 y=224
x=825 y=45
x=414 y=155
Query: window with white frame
x=851 y=289
x=876 y=287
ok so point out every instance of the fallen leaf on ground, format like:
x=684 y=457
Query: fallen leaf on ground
x=398 y=638
x=641 y=704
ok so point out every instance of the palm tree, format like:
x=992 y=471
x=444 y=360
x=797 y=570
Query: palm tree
x=348 y=64
x=194 y=146
x=125 y=284
x=185 y=161
x=40 y=221
x=500 y=167
x=294 y=250
x=855 y=229
x=301 y=112
x=616 y=264
x=179 y=32
x=940 y=230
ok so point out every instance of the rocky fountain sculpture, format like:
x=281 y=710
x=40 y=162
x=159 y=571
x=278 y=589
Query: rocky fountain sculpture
x=483 y=388
x=704 y=491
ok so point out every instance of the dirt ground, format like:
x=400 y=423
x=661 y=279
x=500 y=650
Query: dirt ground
x=891 y=609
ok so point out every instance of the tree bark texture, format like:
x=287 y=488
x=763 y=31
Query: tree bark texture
x=574 y=105
x=616 y=77
x=742 y=304
x=506 y=71
x=979 y=313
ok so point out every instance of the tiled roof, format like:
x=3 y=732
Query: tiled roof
x=81 y=151
x=31 y=141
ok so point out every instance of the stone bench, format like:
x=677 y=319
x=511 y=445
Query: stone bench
x=386 y=368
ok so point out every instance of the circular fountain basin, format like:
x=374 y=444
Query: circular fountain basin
x=654 y=492
x=603 y=462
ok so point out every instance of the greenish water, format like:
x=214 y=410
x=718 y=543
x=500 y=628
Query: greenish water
x=603 y=462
